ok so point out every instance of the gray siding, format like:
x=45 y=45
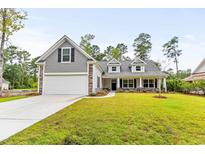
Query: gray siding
x=79 y=65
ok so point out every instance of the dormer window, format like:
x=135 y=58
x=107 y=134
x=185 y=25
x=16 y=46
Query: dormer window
x=138 y=68
x=137 y=65
x=66 y=55
x=114 y=68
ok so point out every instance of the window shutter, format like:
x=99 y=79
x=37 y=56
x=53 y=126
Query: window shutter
x=59 y=55
x=72 y=54
x=120 y=83
x=135 y=83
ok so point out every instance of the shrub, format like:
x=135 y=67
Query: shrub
x=201 y=86
x=174 y=84
x=102 y=92
x=197 y=87
x=93 y=94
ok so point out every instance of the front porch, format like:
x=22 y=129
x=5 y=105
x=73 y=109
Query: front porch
x=135 y=84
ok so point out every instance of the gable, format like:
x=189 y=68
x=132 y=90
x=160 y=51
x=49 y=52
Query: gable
x=137 y=61
x=58 y=44
x=201 y=67
x=114 y=62
x=52 y=65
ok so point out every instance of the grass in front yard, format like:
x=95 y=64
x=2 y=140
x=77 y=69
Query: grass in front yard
x=5 y=99
x=127 y=118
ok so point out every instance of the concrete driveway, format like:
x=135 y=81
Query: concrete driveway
x=19 y=114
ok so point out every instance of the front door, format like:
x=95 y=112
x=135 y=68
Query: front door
x=114 y=84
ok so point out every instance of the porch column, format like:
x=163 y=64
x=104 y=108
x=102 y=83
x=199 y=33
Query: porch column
x=159 y=84
x=140 y=82
x=118 y=82
x=165 y=84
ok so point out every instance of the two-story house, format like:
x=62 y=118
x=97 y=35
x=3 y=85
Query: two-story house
x=65 y=68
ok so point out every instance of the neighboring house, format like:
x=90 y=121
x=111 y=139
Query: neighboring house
x=5 y=85
x=65 y=68
x=198 y=73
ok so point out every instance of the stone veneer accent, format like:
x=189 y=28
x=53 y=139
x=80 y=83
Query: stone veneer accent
x=90 y=78
x=40 y=78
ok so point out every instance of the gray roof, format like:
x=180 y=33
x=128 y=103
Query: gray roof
x=151 y=70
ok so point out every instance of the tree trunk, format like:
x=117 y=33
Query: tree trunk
x=177 y=69
x=3 y=36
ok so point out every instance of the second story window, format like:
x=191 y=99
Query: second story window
x=114 y=68
x=66 y=54
x=138 y=68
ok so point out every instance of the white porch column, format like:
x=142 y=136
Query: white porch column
x=165 y=84
x=140 y=82
x=159 y=84
x=118 y=82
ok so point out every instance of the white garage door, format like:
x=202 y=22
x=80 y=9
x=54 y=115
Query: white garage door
x=77 y=84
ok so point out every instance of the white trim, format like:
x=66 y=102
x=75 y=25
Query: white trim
x=141 y=83
x=58 y=43
x=203 y=61
x=118 y=82
x=69 y=73
x=127 y=83
x=136 y=58
x=165 y=84
x=113 y=60
x=139 y=69
x=68 y=54
x=149 y=83
x=114 y=67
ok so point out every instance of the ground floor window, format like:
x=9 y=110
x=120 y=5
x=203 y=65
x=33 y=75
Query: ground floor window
x=128 y=83
x=148 y=83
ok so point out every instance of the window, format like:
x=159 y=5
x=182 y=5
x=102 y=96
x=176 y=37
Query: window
x=138 y=68
x=131 y=83
x=98 y=82
x=114 y=68
x=125 y=85
x=149 y=83
x=146 y=83
x=128 y=83
x=66 y=55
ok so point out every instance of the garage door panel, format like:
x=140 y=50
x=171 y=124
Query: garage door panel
x=66 y=84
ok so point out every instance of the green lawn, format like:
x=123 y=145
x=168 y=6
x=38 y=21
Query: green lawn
x=127 y=118
x=5 y=99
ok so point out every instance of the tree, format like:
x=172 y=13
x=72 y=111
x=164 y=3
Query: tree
x=123 y=48
x=93 y=50
x=184 y=73
x=20 y=70
x=171 y=50
x=142 y=46
x=33 y=68
x=116 y=52
x=10 y=22
x=85 y=43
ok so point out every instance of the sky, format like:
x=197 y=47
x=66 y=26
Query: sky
x=112 y=26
